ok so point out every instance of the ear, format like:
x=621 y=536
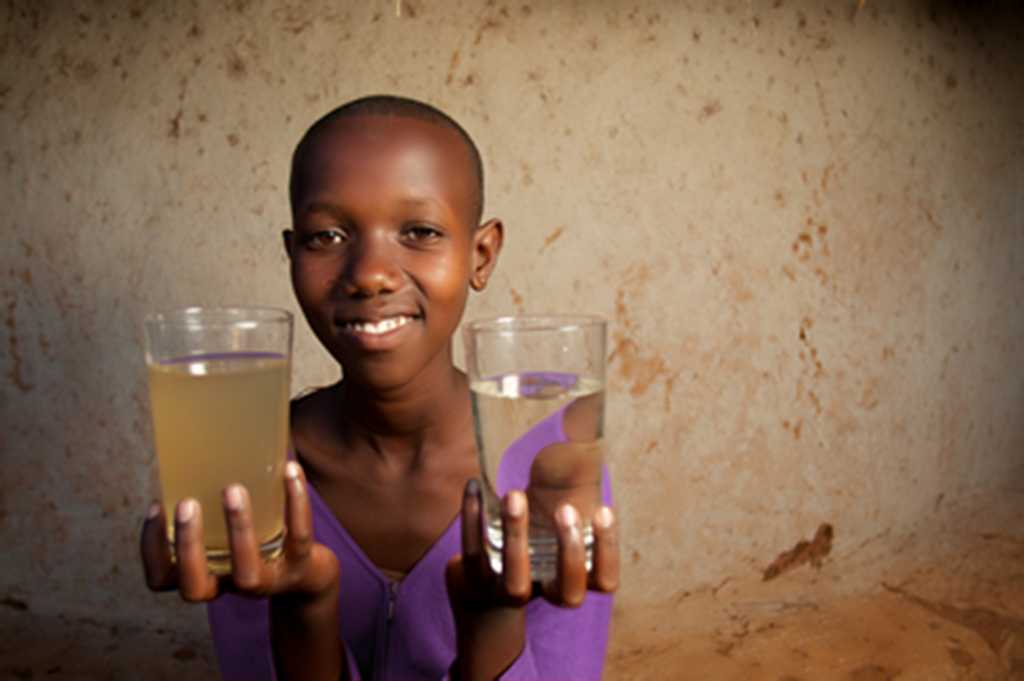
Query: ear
x=487 y=240
x=289 y=241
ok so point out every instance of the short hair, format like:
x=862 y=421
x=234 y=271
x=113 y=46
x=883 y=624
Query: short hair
x=391 y=105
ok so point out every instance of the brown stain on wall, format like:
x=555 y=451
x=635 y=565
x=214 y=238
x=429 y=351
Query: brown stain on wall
x=527 y=173
x=453 y=65
x=551 y=238
x=517 y=299
x=825 y=176
x=805 y=552
x=235 y=65
x=175 y=129
x=408 y=9
x=937 y=226
x=638 y=368
x=809 y=355
x=811 y=244
x=795 y=427
x=15 y=372
x=488 y=24
x=869 y=398
x=710 y=108
x=737 y=283
x=641 y=371
x=81 y=70
x=44 y=346
x=292 y=19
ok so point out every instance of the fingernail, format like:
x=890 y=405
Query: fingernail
x=292 y=470
x=568 y=516
x=233 y=497
x=473 y=488
x=604 y=517
x=186 y=510
x=516 y=504
x=153 y=511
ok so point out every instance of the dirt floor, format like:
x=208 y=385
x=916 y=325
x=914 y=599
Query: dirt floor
x=946 y=602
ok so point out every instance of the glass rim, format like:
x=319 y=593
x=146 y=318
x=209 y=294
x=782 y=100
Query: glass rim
x=217 y=315
x=535 y=323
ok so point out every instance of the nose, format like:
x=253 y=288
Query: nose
x=371 y=268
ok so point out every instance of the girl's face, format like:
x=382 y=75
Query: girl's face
x=384 y=247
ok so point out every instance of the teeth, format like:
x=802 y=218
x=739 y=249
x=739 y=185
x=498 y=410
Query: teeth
x=377 y=328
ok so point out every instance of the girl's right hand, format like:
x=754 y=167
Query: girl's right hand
x=306 y=569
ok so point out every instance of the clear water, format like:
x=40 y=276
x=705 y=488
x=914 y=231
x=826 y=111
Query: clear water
x=507 y=407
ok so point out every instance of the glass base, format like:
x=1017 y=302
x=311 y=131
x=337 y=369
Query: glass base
x=543 y=551
x=219 y=560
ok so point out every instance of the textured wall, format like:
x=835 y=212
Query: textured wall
x=806 y=221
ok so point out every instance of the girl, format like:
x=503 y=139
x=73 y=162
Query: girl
x=383 y=574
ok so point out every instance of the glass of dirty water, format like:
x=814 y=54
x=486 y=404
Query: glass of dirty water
x=219 y=389
x=538 y=386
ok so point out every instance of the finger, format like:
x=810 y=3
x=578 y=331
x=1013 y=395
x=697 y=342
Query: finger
x=195 y=583
x=455 y=580
x=298 y=538
x=473 y=558
x=515 y=552
x=157 y=560
x=246 y=565
x=604 y=575
x=570 y=583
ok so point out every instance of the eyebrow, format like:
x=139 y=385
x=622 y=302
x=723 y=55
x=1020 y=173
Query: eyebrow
x=419 y=202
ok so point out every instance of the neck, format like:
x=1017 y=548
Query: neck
x=431 y=412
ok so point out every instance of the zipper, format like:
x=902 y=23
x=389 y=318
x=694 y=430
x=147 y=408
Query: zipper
x=392 y=597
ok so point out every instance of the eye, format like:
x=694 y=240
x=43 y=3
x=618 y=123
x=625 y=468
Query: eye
x=324 y=239
x=422 y=233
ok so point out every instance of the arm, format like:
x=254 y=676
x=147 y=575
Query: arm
x=501 y=633
x=305 y=637
x=302 y=584
x=304 y=621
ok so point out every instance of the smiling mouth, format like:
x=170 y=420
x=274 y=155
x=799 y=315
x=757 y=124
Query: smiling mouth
x=377 y=328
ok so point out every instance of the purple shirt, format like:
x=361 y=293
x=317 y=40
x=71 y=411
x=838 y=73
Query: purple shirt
x=405 y=631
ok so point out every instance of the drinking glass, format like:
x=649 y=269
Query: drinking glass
x=219 y=390
x=538 y=385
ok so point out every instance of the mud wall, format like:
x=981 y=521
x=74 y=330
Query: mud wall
x=805 y=219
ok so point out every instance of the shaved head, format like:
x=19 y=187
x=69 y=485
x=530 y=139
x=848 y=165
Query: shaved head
x=388 y=105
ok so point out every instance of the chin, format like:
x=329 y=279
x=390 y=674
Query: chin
x=378 y=376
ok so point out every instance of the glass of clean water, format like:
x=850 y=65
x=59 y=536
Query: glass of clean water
x=538 y=385
x=219 y=391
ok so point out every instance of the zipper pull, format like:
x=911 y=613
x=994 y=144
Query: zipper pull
x=392 y=596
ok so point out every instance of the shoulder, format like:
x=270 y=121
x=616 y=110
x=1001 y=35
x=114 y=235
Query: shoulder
x=582 y=420
x=306 y=403
x=307 y=409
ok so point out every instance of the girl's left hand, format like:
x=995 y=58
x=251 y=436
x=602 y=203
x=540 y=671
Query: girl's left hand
x=490 y=616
